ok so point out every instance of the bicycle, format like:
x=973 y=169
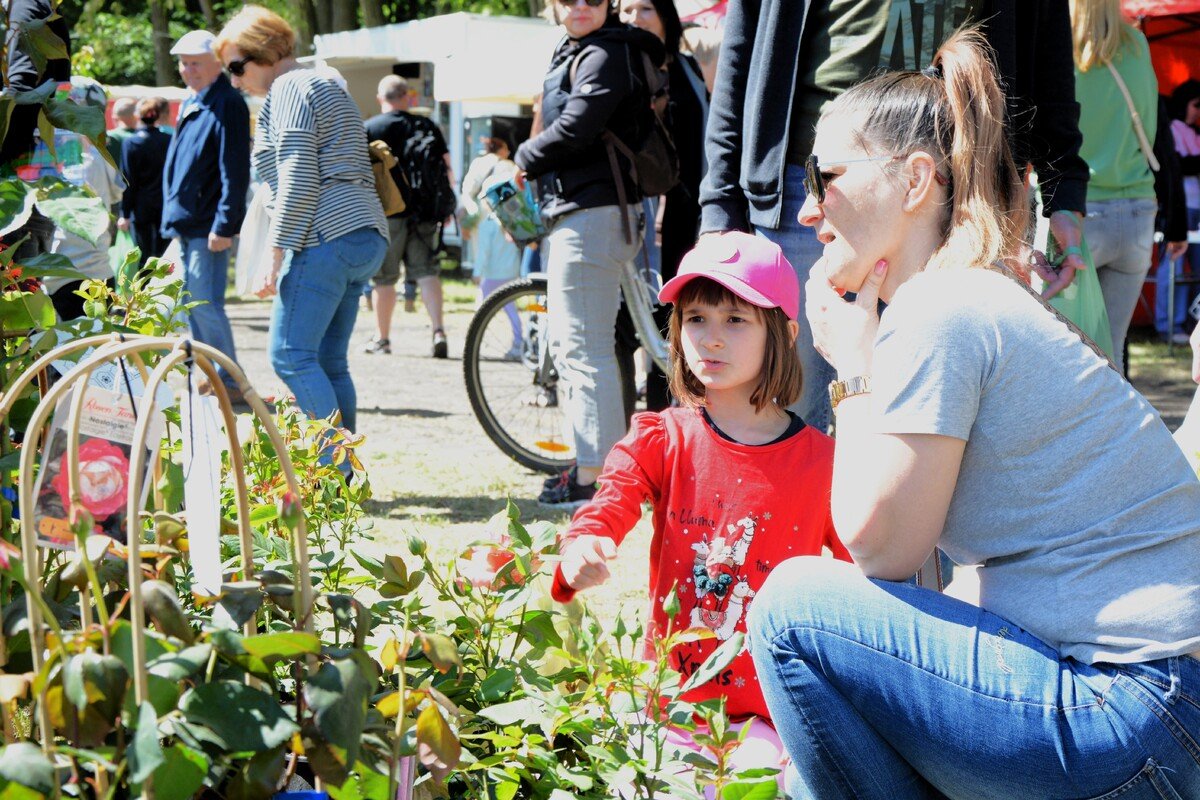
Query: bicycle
x=510 y=376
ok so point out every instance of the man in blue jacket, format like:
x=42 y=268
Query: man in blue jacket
x=204 y=186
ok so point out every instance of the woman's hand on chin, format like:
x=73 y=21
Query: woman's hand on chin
x=843 y=332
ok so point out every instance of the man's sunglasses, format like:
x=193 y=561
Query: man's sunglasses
x=238 y=68
x=814 y=181
x=591 y=3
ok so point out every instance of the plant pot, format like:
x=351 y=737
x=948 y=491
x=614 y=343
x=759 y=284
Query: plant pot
x=301 y=796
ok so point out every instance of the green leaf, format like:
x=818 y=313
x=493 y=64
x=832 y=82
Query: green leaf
x=262 y=514
x=364 y=783
x=69 y=115
x=719 y=660
x=437 y=747
x=22 y=311
x=17 y=200
x=26 y=765
x=441 y=651
x=182 y=665
x=181 y=774
x=256 y=779
x=6 y=109
x=513 y=712
x=75 y=209
x=96 y=680
x=272 y=647
x=496 y=685
x=41 y=43
x=145 y=753
x=38 y=96
x=241 y=600
x=241 y=717
x=339 y=695
x=762 y=789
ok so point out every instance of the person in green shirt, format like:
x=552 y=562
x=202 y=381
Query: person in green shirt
x=1119 y=227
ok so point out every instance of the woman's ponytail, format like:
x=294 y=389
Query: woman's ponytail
x=989 y=214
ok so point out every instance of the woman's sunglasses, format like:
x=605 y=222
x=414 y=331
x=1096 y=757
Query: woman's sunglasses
x=814 y=181
x=591 y=3
x=238 y=68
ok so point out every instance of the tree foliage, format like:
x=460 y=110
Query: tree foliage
x=127 y=41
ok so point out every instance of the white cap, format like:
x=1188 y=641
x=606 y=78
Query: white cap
x=194 y=43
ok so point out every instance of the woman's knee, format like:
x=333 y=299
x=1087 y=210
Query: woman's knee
x=799 y=592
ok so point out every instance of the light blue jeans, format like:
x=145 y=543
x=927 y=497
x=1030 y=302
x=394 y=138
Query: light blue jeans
x=313 y=317
x=205 y=275
x=584 y=255
x=885 y=691
x=1162 y=286
x=1120 y=235
x=801 y=247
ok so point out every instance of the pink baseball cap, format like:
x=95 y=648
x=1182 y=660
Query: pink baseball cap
x=751 y=267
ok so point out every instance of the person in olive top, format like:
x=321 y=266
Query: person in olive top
x=759 y=137
x=1121 y=200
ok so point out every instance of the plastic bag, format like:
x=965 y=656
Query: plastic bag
x=1083 y=302
x=517 y=210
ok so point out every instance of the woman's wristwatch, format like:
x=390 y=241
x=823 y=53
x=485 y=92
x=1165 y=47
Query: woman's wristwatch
x=840 y=390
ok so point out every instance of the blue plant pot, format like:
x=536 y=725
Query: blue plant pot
x=301 y=796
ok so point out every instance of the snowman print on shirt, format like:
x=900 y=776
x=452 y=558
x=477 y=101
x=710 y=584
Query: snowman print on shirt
x=722 y=591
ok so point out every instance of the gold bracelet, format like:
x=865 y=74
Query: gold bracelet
x=840 y=390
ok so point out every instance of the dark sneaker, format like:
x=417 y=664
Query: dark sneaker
x=566 y=494
x=377 y=345
x=567 y=474
x=440 y=348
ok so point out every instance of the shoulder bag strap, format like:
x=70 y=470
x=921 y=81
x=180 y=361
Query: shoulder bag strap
x=1138 y=128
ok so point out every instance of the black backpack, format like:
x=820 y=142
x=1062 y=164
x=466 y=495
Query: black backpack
x=428 y=196
x=653 y=159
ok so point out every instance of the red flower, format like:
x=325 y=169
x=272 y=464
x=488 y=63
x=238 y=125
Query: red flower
x=103 y=478
x=479 y=565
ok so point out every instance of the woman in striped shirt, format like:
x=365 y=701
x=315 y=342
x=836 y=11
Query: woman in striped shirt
x=328 y=234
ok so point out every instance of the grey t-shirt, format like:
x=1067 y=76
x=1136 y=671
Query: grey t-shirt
x=1080 y=509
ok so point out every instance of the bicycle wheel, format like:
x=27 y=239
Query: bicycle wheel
x=510 y=382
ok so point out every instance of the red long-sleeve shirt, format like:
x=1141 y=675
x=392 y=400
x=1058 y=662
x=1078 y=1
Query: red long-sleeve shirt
x=725 y=514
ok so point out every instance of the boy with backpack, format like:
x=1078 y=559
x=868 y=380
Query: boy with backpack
x=423 y=174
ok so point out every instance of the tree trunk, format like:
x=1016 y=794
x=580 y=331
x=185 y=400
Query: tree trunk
x=164 y=64
x=324 y=15
x=535 y=7
x=210 y=14
x=372 y=13
x=345 y=15
x=307 y=28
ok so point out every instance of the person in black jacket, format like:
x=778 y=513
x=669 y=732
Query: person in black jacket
x=593 y=85
x=143 y=158
x=687 y=113
x=759 y=134
x=23 y=75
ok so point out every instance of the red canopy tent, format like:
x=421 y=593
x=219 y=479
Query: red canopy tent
x=1173 y=29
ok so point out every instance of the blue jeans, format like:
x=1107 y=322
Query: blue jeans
x=801 y=247
x=1182 y=291
x=205 y=275
x=885 y=690
x=313 y=318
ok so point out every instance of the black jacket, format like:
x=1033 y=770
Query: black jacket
x=143 y=158
x=568 y=158
x=1168 y=181
x=751 y=107
x=23 y=74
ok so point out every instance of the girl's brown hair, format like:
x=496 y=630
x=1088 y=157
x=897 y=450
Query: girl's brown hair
x=781 y=378
x=259 y=34
x=954 y=111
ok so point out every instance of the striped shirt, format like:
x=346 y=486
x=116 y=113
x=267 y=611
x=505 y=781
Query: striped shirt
x=311 y=150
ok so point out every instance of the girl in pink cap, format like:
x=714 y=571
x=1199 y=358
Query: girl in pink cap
x=738 y=483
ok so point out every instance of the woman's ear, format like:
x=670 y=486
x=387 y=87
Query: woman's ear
x=793 y=328
x=920 y=172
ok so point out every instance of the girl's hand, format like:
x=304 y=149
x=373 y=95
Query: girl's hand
x=266 y=280
x=844 y=333
x=585 y=561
